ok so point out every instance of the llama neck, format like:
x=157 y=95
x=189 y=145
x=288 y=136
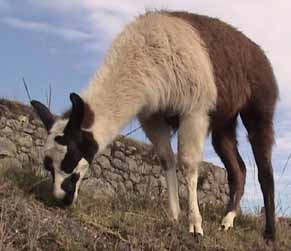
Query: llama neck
x=110 y=108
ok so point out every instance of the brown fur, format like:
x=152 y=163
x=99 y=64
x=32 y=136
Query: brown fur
x=246 y=86
x=171 y=68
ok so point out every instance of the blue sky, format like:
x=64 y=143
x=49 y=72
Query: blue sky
x=63 y=42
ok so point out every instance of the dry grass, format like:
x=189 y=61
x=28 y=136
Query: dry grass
x=31 y=220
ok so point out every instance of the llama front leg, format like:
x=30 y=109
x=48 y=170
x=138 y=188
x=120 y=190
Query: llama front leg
x=192 y=133
x=159 y=133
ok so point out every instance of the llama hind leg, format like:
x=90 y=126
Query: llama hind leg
x=191 y=137
x=159 y=133
x=261 y=136
x=225 y=145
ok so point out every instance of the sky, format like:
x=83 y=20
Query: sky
x=62 y=43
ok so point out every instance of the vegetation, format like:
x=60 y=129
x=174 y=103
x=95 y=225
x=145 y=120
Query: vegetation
x=31 y=220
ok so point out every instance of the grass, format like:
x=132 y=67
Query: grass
x=31 y=220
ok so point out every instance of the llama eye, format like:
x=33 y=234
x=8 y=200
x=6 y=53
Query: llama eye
x=61 y=140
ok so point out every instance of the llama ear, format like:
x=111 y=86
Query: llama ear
x=44 y=114
x=77 y=114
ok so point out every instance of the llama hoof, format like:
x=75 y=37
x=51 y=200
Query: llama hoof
x=198 y=237
x=198 y=230
x=227 y=221
x=225 y=227
x=269 y=238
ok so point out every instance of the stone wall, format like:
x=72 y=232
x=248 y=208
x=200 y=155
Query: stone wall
x=125 y=166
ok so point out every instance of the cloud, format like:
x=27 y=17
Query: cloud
x=266 y=22
x=65 y=33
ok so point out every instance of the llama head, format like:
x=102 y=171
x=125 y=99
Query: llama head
x=68 y=150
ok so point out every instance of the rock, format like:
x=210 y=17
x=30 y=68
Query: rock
x=124 y=166
x=10 y=163
x=156 y=170
x=104 y=162
x=134 y=177
x=117 y=163
x=2 y=123
x=40 y=133
x=119 y=155
x=132 y=166
x=96 y=171
x=7 y=148
x=6 y=131
x=205 y=186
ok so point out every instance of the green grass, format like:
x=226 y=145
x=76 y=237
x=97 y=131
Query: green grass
x=30 y=219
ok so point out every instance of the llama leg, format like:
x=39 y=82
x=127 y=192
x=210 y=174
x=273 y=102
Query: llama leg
x=191 y=137
x=159 y=133
x=225 y=145
x=261 y=136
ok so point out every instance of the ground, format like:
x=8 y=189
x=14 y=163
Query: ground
x=31 y=220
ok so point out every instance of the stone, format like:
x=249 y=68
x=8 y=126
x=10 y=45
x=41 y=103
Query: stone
x=37 y=123
x=134 y=177
x=156 y=170
x=25 y=141
x=103 y=162
x=13 y=123
x=39 y=142
x=118 y=144
x=23 y=120
x=117 y=163
x=23 y=158
x=224 y=199
x=2 y=123
x=183 y=191
x=96 y=171
x=119 y=155
x=132 y=166
x=131 y=149
x=7 y=147
x=205 y=186
x=6 y=131
x=219 y=175
x=40 y=133
x=28 y=130
x=10 y=163
x=128 y=185
x=124 y=166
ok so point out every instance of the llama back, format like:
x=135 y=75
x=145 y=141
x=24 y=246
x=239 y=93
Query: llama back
x=240 y=66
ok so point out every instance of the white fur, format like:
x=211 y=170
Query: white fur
x=156 y=65
x=227 y=221
x=57 y=152
x=173 y=195
x=60 y=176
x=192 y=133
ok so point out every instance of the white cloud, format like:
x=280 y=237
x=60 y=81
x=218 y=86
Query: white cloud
x=65 y=33
x=266 y=22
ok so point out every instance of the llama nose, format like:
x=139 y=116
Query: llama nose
x=68 y=199
x=69 y=187
x=69 y=184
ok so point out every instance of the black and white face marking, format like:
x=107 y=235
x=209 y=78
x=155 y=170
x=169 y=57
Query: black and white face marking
x=68 y=150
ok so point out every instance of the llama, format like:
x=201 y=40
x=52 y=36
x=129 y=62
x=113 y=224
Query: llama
x=174 y=71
